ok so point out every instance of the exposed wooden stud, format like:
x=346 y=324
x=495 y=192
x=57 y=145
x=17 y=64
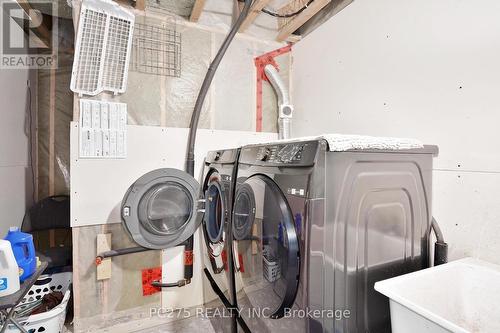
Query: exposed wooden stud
x=103 y=245
x=76 y=272
x=41 y=31
x=140 y=4
x=197 y=9
x=293 y=38
x=254 y=12
x=52 y=129
x=293 y=24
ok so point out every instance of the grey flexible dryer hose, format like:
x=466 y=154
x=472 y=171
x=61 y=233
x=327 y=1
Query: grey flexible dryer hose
x=195 y=118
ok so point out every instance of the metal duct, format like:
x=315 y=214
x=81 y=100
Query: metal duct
x=284 y=105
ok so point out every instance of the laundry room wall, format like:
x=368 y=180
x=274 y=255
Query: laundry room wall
x=158 y=102
x=423 y=69
x=17 y=190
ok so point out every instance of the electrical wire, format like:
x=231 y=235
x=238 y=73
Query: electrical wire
x=287 y=15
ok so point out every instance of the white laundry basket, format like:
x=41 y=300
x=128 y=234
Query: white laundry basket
x=51 y=321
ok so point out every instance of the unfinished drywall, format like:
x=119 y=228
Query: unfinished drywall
x=100 y=304
x=424 y=69
x=16 y=191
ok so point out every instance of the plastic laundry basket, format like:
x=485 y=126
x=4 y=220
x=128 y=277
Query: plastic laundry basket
x=51 y=321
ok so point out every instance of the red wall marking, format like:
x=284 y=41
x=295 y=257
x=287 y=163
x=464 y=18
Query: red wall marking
x=261 y=62
x=149 y=275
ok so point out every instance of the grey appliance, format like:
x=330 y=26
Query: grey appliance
x=162 y=208
x=313 y=230
x=218 y=186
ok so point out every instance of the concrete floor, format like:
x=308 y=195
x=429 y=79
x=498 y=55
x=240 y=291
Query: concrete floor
x=188 y=325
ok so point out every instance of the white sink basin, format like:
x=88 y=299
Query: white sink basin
x=461 y=296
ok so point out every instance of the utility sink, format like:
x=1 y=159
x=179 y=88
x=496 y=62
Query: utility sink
x=461 y=296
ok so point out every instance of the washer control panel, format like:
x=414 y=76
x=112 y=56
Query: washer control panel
x=293 y=153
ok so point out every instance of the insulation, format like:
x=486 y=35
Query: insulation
x=178 y=7
x=219 y=14
x=157 y=100
x=55 y=111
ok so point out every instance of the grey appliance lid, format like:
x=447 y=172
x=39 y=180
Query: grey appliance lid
x=160 y=209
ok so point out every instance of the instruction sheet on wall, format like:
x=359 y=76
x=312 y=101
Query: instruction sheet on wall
x=103 y=129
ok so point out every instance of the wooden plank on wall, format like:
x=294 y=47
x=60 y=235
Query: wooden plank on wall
x=197 y=9
x=52 y=113
x=295 y=23
x=254 y=12
x=103 y=245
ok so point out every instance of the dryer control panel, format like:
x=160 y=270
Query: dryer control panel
x=293 y=153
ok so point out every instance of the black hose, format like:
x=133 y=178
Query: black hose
x=440 y=247
x=195 y=118
x=121 y=252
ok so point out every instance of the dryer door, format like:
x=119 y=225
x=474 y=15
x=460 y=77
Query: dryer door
x=267 y=256
x=160 y=210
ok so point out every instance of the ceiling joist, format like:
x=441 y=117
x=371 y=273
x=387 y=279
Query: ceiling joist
x=197 y=9
x=289 y=25
x=254 y=12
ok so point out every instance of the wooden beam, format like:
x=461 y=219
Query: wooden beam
x=293 y=24
x=197 y=9
x=41 y=31
x=254 y=12
x=140 y=5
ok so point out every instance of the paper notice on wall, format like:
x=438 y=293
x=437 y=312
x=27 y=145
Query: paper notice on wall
x=103 y=129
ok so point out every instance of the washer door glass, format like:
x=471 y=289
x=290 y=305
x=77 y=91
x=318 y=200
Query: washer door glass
x=166 y=208
x=267 y=251
x=215 y=211
x=243 y=213
x=160 y=209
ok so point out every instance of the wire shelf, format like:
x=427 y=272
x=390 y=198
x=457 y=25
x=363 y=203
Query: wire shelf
x=156 y=50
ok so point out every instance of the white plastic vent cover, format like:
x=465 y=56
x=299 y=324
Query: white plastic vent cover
x=103 y=48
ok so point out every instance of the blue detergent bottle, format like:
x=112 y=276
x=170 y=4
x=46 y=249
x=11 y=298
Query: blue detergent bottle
x=24 y=251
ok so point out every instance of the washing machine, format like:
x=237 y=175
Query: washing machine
x=314 y=229
x=218 y=186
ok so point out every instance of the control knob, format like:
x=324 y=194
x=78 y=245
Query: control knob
x=265 y=155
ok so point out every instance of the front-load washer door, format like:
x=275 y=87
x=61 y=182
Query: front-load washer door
x=214 y=221
x=267 y=258
x=160 y=209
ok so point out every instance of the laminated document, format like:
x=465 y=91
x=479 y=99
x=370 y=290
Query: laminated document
x=103 y=129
